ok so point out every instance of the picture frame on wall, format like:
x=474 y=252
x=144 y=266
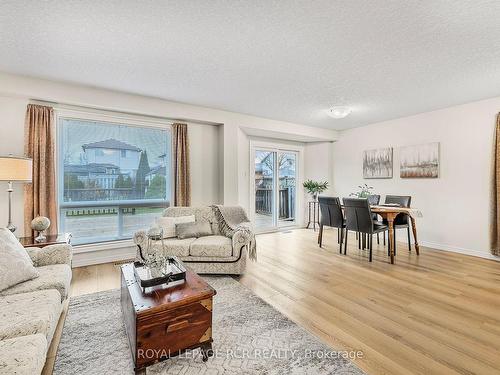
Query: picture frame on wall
x=378 y=163
x=419 y=161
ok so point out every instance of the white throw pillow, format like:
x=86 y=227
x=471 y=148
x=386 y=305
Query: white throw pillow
x=15 y=263
x=167 y=223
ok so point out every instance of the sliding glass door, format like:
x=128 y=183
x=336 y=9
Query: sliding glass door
x=264 y=189
x=275 y=178
x=287 y=172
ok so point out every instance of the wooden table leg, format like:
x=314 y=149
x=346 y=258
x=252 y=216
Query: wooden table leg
x=414 y=229
x=390 y=220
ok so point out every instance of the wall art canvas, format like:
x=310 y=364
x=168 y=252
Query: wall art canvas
x=420 y=161
x=377 y=163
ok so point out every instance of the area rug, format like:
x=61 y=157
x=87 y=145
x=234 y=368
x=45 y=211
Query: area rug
x=250 y=337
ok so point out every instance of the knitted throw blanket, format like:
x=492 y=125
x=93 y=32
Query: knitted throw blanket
x=233 y=219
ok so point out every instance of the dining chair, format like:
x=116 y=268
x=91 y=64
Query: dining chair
x=401 y=221
x=331 y=216
x=374 y=200
x=359 y=218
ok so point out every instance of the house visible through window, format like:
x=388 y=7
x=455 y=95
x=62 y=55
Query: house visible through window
x=114 y=178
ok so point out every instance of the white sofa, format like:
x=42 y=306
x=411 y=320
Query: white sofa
x=30 y=311
x=215 y=254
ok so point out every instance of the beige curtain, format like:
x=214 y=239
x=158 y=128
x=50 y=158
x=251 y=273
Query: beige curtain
x=40 y=195
x=182 y=176
x=495 y=194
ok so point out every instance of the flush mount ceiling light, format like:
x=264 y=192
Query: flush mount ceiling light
x=339 y=111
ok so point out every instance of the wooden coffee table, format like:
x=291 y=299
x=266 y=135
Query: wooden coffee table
x=166 y=321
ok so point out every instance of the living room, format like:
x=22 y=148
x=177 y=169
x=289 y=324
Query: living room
x=212 y=203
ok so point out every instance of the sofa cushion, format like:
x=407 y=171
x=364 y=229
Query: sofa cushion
x=23 y=355
x=30 y=313
x=56 y=276
x=15 y=264
x=173 y=246
x=211 y=246
x=167 y=224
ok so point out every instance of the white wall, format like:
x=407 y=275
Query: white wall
x=244 y=170
x=205 y=164
x=456 y=205
x=318 y=166
x=318 y=159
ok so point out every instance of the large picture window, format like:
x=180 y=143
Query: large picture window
x=113 y=177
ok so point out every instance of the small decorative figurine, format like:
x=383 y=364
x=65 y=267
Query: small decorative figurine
x=40 y=224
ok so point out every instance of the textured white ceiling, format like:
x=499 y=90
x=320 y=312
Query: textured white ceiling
x=286 y=60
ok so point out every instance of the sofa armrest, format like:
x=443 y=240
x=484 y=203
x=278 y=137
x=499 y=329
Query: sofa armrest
x=244 y=236
x=51 y=254
x=241 y=238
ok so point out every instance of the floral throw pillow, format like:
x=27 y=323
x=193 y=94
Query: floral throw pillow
x=15 y=264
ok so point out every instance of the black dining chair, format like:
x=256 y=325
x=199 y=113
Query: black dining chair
x=359 y=218
x=331 y=216
x=374 y=200
x=401 y=221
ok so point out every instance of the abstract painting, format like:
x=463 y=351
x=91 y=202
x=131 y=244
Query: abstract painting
x=377 y=163
x=420 y=161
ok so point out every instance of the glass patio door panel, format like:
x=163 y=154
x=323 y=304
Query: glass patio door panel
x=264 y=189
x=275 y=188
x=287 y=171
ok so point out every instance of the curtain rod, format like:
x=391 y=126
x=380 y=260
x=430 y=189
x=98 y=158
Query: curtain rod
x=102 y=109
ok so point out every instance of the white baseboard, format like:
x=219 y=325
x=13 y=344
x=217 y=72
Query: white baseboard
x=451 y=248
x=454 y=249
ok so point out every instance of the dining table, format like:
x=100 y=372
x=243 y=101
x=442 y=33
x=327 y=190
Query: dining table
x=390 y=213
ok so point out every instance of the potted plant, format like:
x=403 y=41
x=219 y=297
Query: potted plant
x=315 y=187
x=364 y=192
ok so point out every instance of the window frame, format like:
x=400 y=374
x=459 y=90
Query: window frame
x=113 y=118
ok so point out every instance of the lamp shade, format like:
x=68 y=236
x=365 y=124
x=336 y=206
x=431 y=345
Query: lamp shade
x=14 y=168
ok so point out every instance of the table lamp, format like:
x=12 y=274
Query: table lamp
x=14 y=169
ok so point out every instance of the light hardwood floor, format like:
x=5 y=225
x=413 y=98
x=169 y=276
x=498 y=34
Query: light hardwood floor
x=438 y=313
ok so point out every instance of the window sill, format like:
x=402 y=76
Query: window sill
x=102 y=246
